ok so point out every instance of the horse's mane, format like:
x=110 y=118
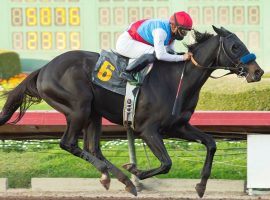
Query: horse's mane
x=199 y=38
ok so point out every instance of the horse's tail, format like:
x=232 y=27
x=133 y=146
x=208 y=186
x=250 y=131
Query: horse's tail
x=22 y=96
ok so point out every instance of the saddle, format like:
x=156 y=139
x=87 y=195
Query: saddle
x=108 y=70
x=107 y=74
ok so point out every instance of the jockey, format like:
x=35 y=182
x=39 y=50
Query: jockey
x=150 y=39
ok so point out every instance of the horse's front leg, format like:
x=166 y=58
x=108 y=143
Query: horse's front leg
x=191 y=133
x=155 y=142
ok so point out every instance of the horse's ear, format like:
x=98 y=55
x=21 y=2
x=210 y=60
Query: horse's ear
x=225 y=30
x=220 y=31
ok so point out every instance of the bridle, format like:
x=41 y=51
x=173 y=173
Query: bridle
x=238 y=68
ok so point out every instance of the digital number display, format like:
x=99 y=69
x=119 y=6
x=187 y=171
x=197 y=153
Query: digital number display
x=31 y=16
x=37 y=27
x=74 y=16
x=17 y=41
x=32 y=41
x=46 y=40
x=60 y=40
x=60 y=16
x=75 y=39
x=44 y=17
x=17 y=18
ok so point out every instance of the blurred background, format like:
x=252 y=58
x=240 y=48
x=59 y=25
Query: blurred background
x=39 y=30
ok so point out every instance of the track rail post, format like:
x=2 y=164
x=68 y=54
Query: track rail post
x=132 y=156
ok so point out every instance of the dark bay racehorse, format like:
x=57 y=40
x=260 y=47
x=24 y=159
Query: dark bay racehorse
x=64 y=83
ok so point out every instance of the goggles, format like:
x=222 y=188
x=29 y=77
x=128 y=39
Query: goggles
x=182 y=31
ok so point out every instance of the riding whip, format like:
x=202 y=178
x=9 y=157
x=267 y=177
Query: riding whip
x=176 y=104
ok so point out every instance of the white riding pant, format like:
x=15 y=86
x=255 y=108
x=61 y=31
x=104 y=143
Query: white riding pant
x=131 y=48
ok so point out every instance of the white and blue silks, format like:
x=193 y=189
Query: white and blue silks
x=155 y=33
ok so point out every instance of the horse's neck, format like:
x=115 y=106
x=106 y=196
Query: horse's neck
x=205 y=55
x=195 y=77
x=207 y=52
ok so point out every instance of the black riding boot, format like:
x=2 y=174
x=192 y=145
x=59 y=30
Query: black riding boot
x=137 y=65
x=141 y=62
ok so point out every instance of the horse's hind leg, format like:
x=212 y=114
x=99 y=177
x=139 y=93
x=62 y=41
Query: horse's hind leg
x=91 y=143
x=69 y=141
x=92 y=128
x=77 y=117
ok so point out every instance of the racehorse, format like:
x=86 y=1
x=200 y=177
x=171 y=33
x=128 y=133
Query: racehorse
x=65 y=84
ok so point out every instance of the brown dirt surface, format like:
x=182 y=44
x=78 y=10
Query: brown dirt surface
x=28 y=194
x=150 y=189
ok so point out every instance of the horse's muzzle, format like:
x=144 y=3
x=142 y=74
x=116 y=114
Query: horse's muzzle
x=258 y=75
x=255 y=76
x=254 y=73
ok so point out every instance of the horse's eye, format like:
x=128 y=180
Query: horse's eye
x=235 y=48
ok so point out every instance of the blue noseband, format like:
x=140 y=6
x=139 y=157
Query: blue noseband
x=248 y=58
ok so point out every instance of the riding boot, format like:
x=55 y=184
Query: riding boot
x=136 y=66
x=140 y=63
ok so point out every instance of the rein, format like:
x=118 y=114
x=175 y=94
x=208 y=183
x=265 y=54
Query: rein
x=208 y=67
x=238 y=68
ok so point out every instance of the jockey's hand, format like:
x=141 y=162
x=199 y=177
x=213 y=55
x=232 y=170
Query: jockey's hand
x=187 y=55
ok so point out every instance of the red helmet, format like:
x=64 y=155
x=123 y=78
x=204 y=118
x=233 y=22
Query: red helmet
x=181 y=19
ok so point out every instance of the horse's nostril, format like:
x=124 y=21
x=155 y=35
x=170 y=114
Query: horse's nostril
x=259 y=73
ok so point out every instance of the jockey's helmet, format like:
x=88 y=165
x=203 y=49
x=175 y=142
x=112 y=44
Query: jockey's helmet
x=181 y=20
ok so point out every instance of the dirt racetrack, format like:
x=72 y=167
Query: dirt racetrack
x=152 y=189
x=28 y=195
x=149 y=189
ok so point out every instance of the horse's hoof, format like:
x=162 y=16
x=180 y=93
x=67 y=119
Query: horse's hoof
x=131 y=189
x=129 y=166
x=105 y=181
x=200 y=189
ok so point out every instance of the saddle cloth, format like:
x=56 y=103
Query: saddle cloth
x=107 y=75
x=107 y=72
x=108 y=69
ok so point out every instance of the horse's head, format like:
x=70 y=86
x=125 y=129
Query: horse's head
x=234 y=55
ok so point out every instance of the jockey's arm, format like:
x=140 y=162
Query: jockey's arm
x=171 y=48
x=159 y=36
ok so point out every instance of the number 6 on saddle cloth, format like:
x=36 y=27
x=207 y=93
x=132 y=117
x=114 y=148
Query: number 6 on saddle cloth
x=107 y=74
